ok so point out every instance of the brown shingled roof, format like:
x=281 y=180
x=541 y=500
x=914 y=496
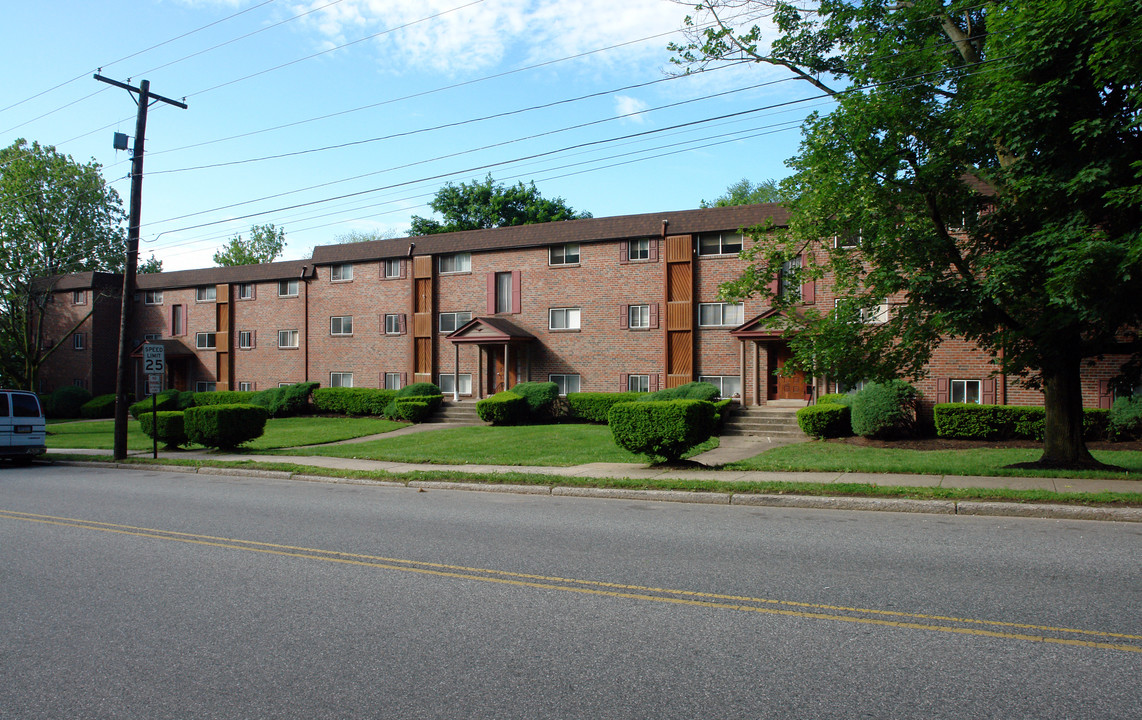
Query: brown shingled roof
x=217 y=275
x=588 y=230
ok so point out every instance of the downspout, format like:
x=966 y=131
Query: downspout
x=305 y=320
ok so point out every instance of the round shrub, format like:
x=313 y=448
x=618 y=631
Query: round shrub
x=99 y=407
x=663 y=428
x=825 y=420
x=67 y=401
x=168 y=427
x=418 y=389
x=884 y=410
x=1125 y=421
x=225 y=426
x=540 y=396
x=503 y=408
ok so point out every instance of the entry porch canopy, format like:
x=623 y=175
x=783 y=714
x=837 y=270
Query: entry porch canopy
x=491 y=334
x=764 y=330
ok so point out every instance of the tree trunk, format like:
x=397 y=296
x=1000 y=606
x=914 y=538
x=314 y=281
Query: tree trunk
x=1063 y=443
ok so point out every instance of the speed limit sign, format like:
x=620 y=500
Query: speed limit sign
x=154 y=359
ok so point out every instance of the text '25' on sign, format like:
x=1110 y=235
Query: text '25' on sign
x=154 y=359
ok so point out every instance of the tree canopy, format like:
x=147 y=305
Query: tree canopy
x=981 y=171
x=745 y=192
x=265 y=245
x=57 y=216
x=488 y=204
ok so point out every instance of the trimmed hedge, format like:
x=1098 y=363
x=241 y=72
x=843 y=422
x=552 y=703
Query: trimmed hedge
x=883 y=410
x=662 y=428
x=285 y=401
x=102 y=406
x=1124 y=420
x=594 y=406
x=845 y=399
x=540 y=397
x=352 y=401
x=420 y=389
x=225 y=426
x=413 y=409
x=503 y=408
x=689 y=391
x=825 y=420
x=68 y=401
x=166 y=400
x=1002 y=422
x=168 y=427
x=224 y=397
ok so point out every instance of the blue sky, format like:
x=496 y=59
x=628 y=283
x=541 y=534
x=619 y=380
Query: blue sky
x=353 y=93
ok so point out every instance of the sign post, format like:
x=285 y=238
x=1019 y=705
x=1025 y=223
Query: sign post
x=154 y=366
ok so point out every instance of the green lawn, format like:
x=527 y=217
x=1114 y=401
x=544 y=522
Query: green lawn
x=839 y=457
x=280 y=433
x=548 y=445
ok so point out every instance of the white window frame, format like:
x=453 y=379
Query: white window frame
x=737 y=314
x=77 y=341
x=290 y=335
x=200 y=340
x=963 y=394
x=848 y=240
x=245 y=339
x=245 y=291
x=78 y=297
x=341 y=272
x=245 y=386
x=564 y=254
x=205 y=293
x=725 y=244
x=456 y=320
x=721 y=382
x=565 y=382
x=786 y=288
x=152 y=297
x=877 y=315
x=638 y=250
x=205 y=386
x=338 y=323
x=392 y=324
x=393 y=381
x=638 y=383
x=291 y=287
x=392 y=269
x=448 y=387
x=454 y=263
x=571 y=318
x=638 y=317
x=341 y=379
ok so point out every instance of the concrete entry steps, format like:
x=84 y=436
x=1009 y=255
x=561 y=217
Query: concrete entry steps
x=457 y=413
x=777 y=424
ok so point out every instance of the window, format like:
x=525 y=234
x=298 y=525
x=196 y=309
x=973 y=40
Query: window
x=850 y=387
x=567 y=254
x=178 y=320
x=393 y=325
x=720 y=314
x=966 y=391
x=503 y=291
x=449 y=322
x=287 y=288
x=341 y=325
x=245 y=339
x=638 y=317
x=638 y=250
x=392 y=269
x=447 y=384
x=788 y=286
x=206 y=293
x=246 y=291
x=205 y=386
x=287 y=338
x=848 y=240
x=153 y=297
x=719 y=244
x=78 y=297
x=728 y=385
x=246 y=386
x=77 y=341
x=393 y=381
x=564 y=319
x=876 y=315
x=456 y=263
x=284 y=384
x=340 y=379
x=566 y=383
x=638 y=383
x=204 y=340
x=341 y=273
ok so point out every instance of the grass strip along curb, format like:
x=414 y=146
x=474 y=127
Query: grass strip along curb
x=1123 y=507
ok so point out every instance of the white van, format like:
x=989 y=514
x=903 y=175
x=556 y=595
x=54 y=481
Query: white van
x=21 y=425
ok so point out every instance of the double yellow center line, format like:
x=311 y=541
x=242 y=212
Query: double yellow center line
x=886 y=618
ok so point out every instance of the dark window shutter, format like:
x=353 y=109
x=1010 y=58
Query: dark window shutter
x=624 y=253
x=624 y=321
x=253 y=338
x=1105 y=397
x=381 y=380
x=654 y=249
x=808 y=289
x=403 y=269
x=517 y=292
x=654 y=382
x=170 y=322
x=624 y=382
x=403 y=379
x=942 y=390
x=654 y=315
x=491 y=293
x=773 y=287
x=403 y=325
x=987 y=391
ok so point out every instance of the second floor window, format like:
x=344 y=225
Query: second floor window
x=153 y=297
x=246 y=291
x=287 y=288
x=342 y=272
x=449 y=322
x=204 y=341
x=720 y=314
x=564 y=319
x=638 y=250
x=287 y=338
x=341 y=325
x=205 y=293
x=719 y=244
x=78 y=297
x=245 y=339
x=456 y=263
x=567 y=254
x=392 y=268
x=638 y=317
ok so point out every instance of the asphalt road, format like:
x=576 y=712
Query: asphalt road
x=127 y=594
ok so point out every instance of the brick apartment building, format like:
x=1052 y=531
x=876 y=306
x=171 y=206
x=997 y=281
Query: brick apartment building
x=600 y=304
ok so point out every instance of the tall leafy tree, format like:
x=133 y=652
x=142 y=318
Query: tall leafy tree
x=57 y=216
x=746 y=192
x=982 y=170
x=265 y=245
x=488 y=204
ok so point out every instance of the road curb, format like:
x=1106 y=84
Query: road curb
x=818 y=502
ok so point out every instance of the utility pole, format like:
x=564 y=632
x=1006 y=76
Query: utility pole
x=144 y=99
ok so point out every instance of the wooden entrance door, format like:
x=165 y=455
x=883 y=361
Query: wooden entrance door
x=783 y=387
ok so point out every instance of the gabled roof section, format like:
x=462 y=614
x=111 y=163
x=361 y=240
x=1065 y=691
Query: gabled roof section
x=171 y=348
x=761 y=326
x=622 y=227
x=491 y=330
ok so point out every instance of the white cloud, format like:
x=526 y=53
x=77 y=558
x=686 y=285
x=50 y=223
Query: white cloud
x=629 y=108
